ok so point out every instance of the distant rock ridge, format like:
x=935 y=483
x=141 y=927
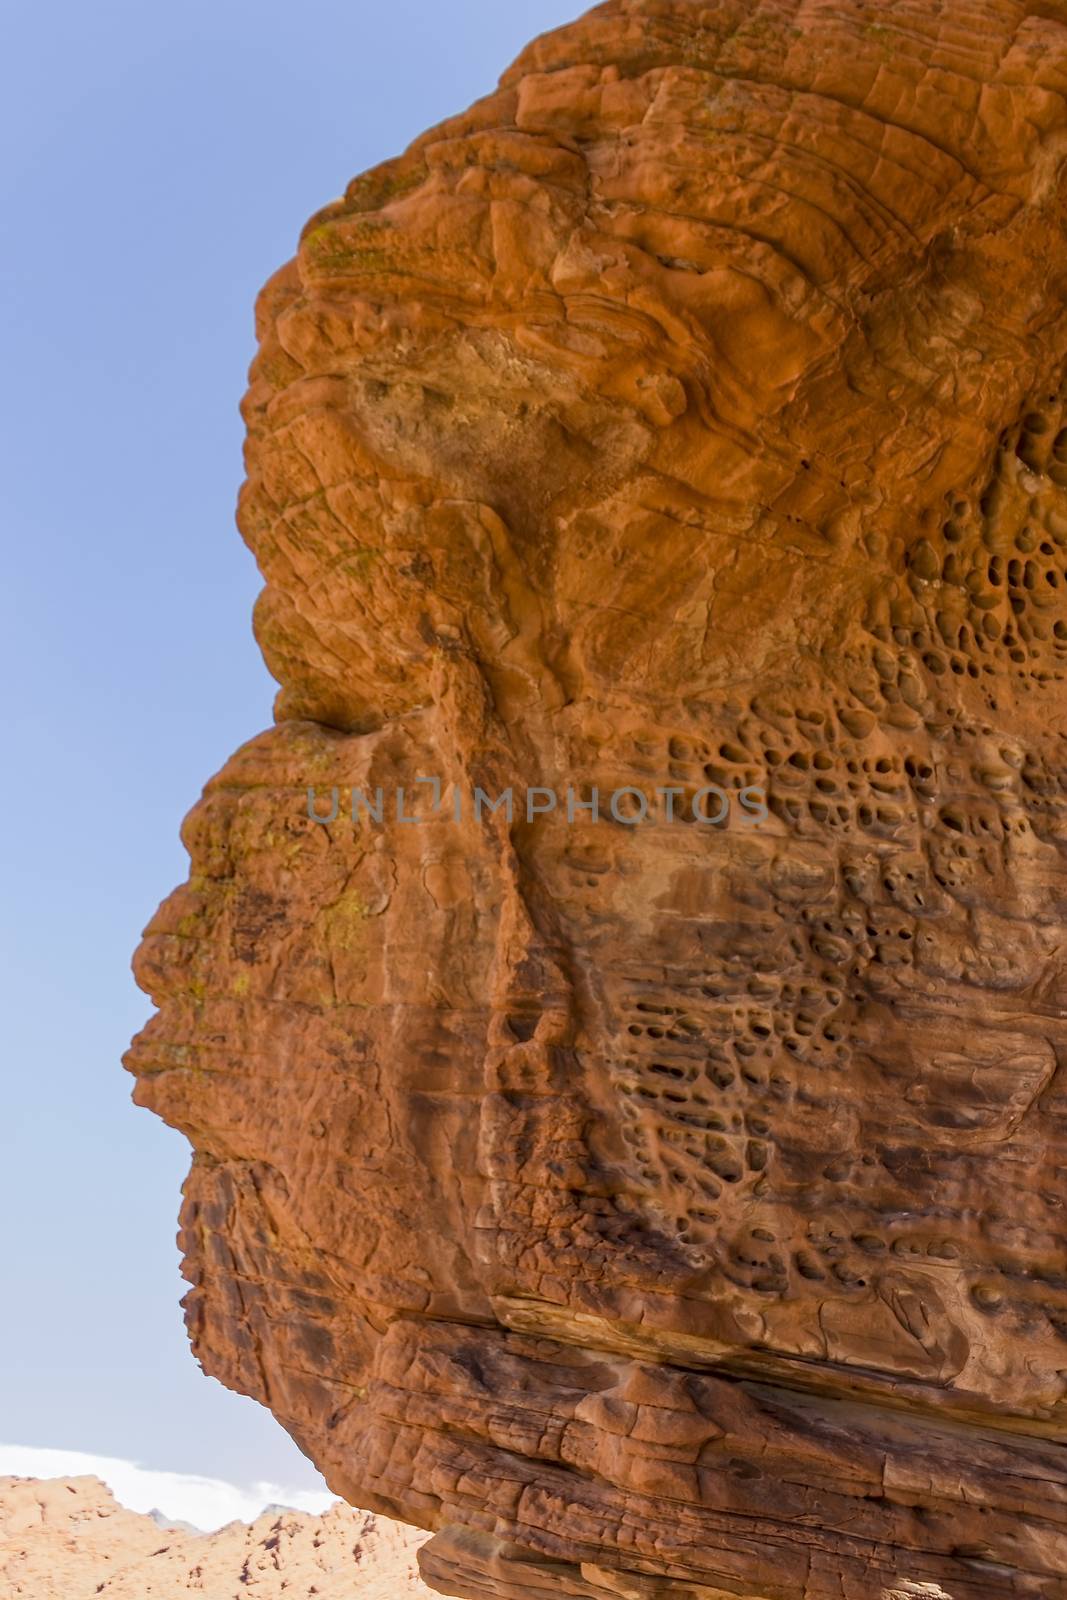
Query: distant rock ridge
x=161 y=1519
x=69 y=1539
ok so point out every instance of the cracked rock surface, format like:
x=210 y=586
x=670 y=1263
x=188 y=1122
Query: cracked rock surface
x=655 y=1208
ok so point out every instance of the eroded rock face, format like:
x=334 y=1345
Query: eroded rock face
x=658 y=1209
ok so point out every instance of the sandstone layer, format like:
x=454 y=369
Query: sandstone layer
x=650 y=1208
x=68 y=1539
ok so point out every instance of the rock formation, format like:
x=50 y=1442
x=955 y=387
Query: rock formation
x=68 y=1539
x=659 y=1206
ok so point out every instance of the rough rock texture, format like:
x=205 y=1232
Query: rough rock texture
x=660 y=1211
x=69 y=1539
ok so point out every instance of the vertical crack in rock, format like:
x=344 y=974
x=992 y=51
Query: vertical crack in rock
x=659 y=1209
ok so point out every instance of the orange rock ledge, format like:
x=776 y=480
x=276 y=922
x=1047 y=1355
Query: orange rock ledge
x=661 y=1212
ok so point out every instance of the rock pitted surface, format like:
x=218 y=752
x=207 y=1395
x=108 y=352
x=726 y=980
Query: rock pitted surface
x=69 y=1539
x=655 y=1209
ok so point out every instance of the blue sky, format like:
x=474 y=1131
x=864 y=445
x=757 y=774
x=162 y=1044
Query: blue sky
x=158 y=164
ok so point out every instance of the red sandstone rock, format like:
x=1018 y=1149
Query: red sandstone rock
x=660 y=1210
x=68 y=1539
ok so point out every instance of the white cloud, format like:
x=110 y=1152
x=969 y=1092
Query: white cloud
x=207 y=1503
